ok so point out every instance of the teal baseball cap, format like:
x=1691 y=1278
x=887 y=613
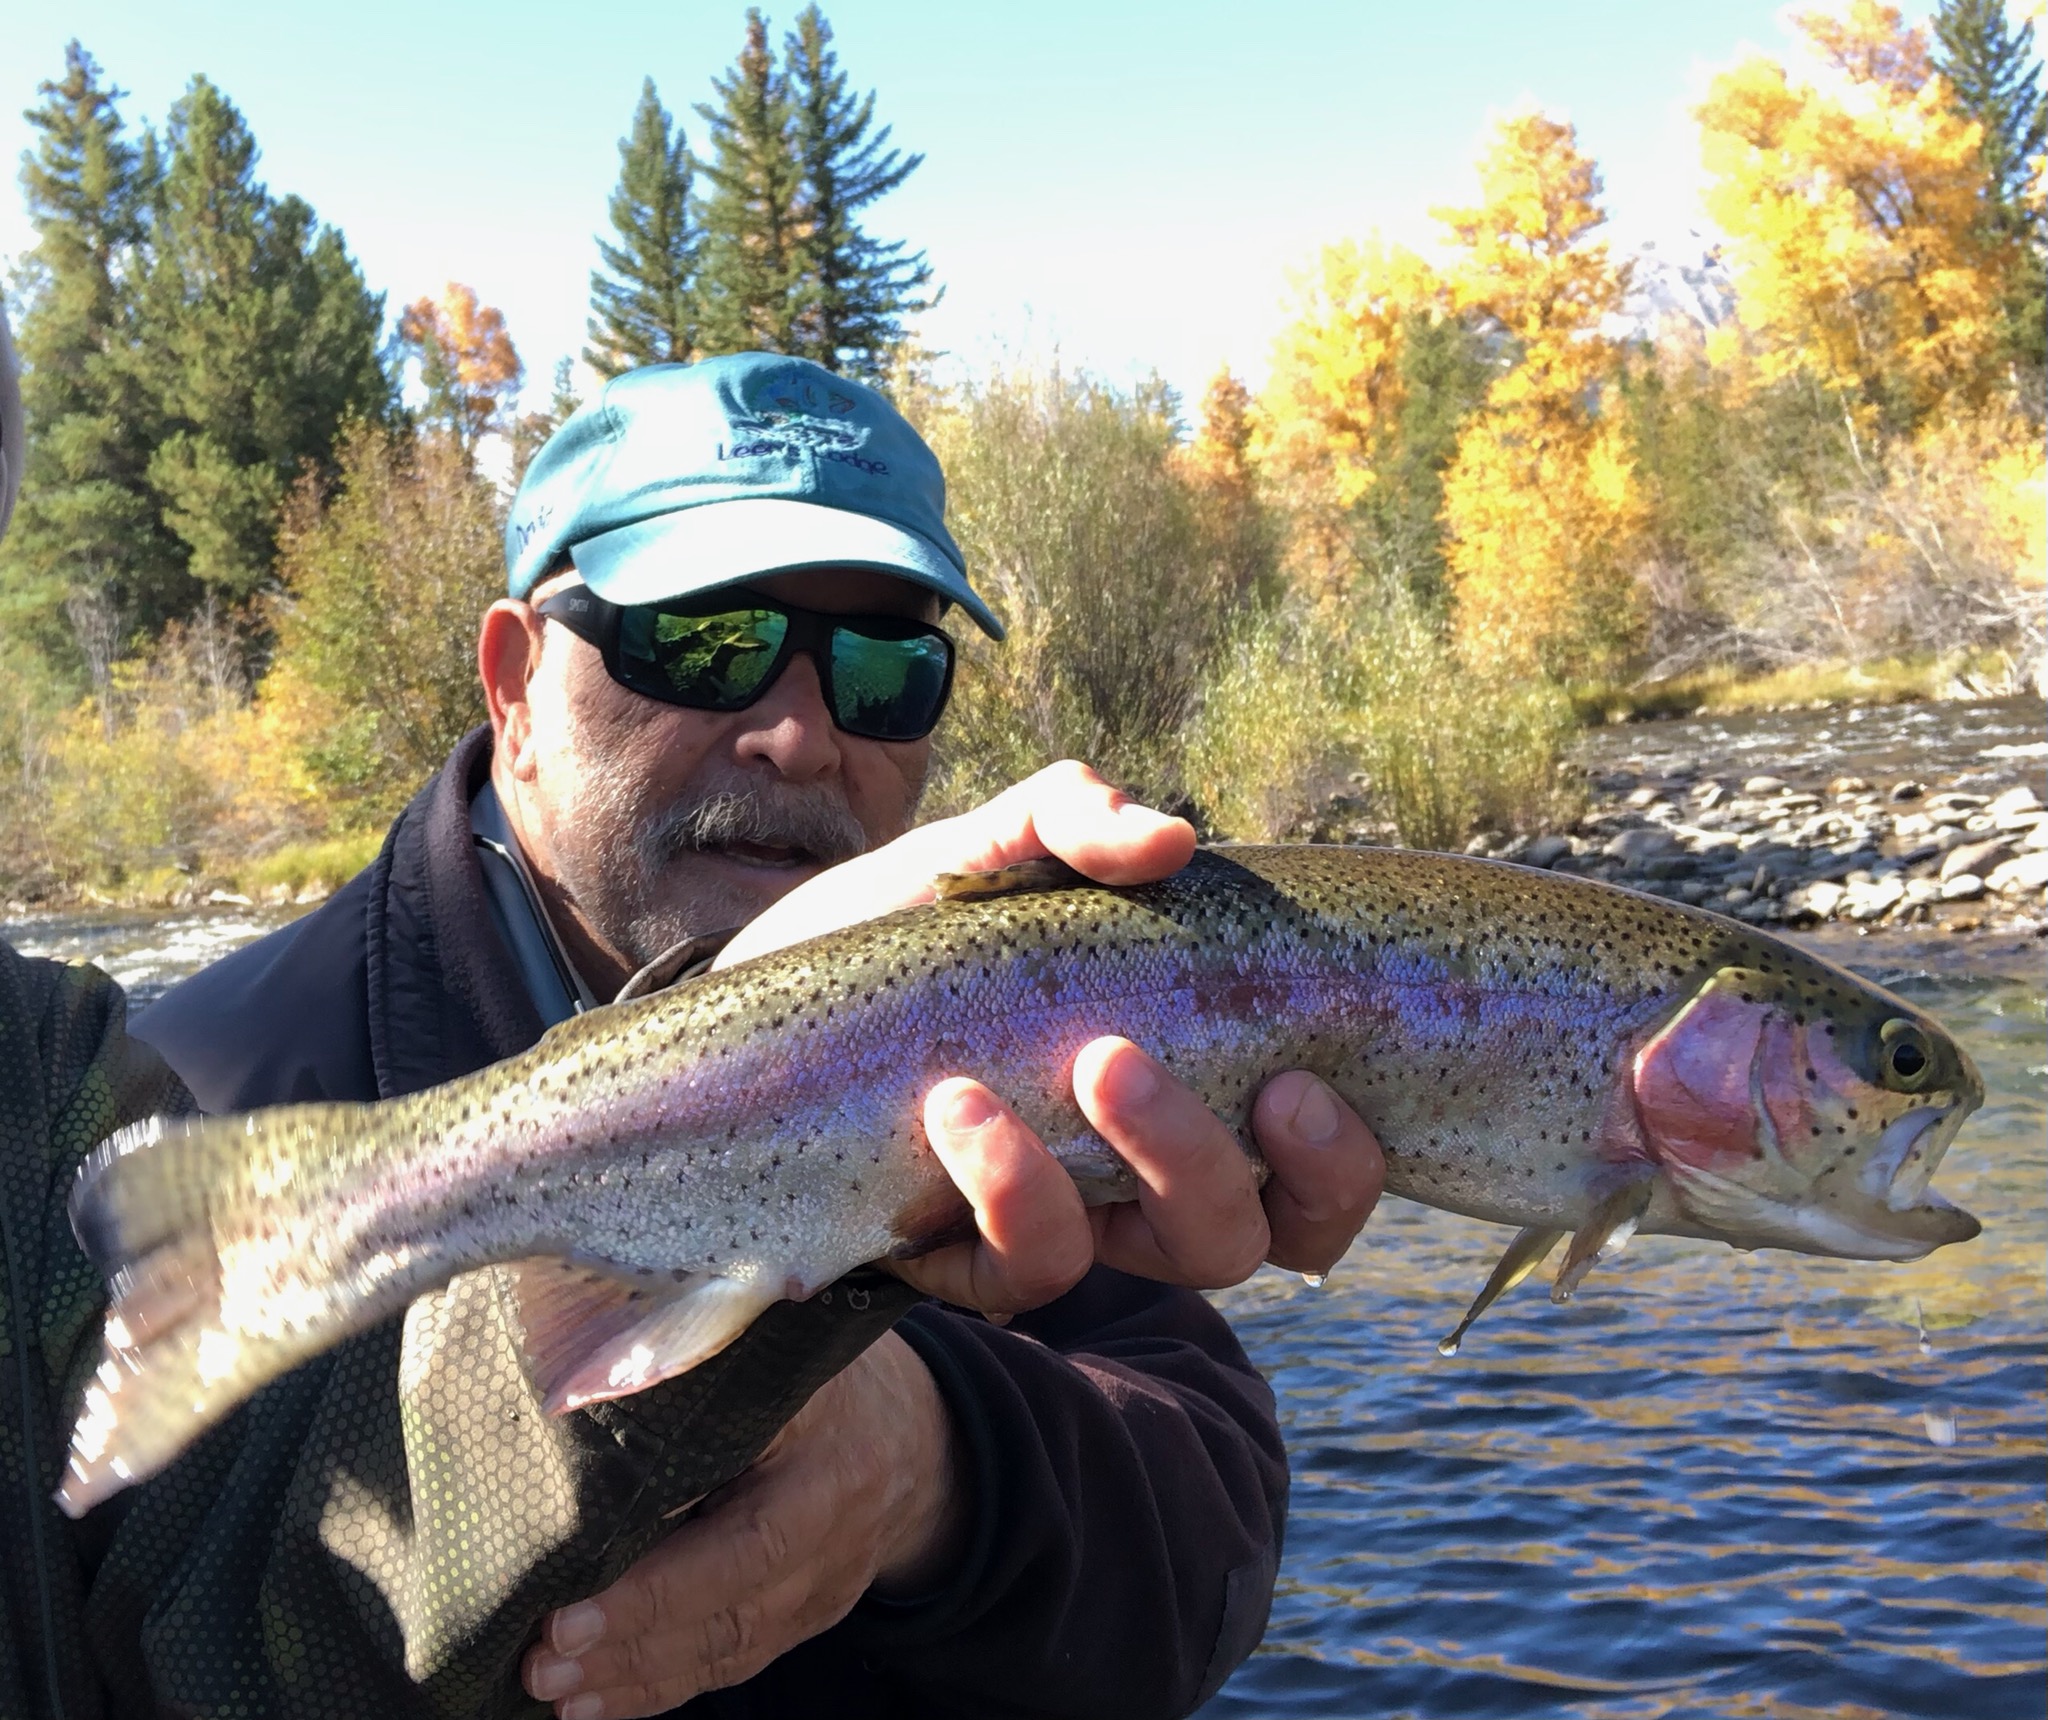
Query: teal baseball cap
x=680 y=478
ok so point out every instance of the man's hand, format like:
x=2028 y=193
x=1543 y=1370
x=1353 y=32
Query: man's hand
x=860 y=1489
x=1200 y=1218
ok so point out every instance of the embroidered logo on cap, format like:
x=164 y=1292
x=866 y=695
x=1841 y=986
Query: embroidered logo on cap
x=791 y=411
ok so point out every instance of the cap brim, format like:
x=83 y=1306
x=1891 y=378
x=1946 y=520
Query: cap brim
x=697 y=549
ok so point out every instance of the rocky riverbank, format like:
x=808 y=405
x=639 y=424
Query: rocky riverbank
x=1771 y=852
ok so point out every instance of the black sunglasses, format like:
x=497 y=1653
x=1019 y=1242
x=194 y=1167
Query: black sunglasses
x=885 y=677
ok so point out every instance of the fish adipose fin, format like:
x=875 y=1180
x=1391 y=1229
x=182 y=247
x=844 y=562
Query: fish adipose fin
x=593 y=1335
x=1047 y=874
x=1604 y=1235
x=1528 y=1251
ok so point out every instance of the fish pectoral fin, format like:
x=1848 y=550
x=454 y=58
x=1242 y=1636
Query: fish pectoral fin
x=1604 y=1235
x=1046 y=874
x=1527 y=1252
x=593 y=1334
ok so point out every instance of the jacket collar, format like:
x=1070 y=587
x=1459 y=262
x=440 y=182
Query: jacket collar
x=445 y=992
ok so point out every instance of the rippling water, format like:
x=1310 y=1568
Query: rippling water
x=1715 y=1484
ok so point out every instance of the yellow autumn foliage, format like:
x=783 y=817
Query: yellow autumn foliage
x=1541 y=507
x=1852 y=202
x=1335 y=385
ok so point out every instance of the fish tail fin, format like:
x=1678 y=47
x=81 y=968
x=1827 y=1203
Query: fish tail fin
x=152 y=1208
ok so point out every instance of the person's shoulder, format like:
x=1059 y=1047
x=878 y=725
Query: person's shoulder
x=54 y=1015
x=282 y=1019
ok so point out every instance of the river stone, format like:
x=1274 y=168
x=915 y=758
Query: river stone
x=1908 y=790
x=1759 y=913
x=1849 y=785
x=1632 y=847
x=2021 y=874
x=1820 y=898
x=1669 y=866
x=1963 y=887
x=2037 y=837
x=1977 y=857
x=1710 y=795
x=1764 y=785
x=1875 y=900
x=1547 y=851
x=2016 y=809
x=1912 y=824
x=1922 y=890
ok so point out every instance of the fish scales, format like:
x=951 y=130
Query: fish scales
x=1530 y=1049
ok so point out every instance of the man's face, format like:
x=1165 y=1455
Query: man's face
x=662 y=824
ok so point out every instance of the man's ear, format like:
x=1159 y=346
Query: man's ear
x=507 y=655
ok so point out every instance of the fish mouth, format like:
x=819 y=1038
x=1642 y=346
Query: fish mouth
x=1902 y=1213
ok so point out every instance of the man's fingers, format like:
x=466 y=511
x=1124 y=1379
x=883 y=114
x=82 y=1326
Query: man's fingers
x=1099 y=830
x=1066 y=810
x=1198 y=1219
x=1327 y=1171
x=1035 y=1241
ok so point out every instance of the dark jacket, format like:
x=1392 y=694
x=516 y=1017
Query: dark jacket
x=1130 y=1477
x=69 y=1076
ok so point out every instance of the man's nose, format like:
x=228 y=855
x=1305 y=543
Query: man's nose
x=789 y=726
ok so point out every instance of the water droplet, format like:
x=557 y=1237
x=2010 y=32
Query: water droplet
x=1449 y=1347
x=1940 y=1424
x=1926 y=1343
x=1315 y=1280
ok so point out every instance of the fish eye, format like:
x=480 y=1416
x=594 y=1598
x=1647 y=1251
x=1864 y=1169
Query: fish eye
x=1906 y=1056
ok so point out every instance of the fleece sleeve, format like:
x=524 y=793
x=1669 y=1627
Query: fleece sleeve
x=1131 y=1491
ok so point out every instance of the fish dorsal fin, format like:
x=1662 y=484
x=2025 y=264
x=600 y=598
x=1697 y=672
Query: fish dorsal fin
x=593 y=1334
x=1046 y=874
x=1527 y=1252
x=1604 y=1235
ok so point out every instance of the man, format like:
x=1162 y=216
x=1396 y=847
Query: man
x=711 y=688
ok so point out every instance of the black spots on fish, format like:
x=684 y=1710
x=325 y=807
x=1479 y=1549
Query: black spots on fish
x=1852 y=1113
x=1815 y=1128
x=1558 y=1166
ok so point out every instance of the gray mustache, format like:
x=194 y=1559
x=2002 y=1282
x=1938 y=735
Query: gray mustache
x=782 y=817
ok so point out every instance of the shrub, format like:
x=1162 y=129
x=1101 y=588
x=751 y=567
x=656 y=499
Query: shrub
x=1304 y=695
x=384 y=580
x=1119 y=582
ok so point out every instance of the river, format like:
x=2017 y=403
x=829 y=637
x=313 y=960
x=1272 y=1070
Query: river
x=1716 y=1484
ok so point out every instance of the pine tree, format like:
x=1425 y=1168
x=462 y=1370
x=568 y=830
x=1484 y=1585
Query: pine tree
x=530 y=430
x=258 y=339
x=643 y=301
x=1995 y=79
x=751 y=245
x=87 y=548
x=852 y=291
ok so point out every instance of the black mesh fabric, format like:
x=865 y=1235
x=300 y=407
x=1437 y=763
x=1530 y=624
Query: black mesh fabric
x=374 y=1533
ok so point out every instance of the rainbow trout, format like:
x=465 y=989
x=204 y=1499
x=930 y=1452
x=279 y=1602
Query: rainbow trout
x=1574 y=1059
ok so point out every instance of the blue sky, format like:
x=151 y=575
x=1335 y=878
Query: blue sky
x=1132 y=183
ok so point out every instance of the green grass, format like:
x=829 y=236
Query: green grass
x=330 y=863
x=1888 y=681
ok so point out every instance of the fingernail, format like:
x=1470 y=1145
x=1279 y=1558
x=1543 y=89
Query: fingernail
x=1315 y=1118
x=551 y=1678
x=1131 y=1081
x=584 y=1707
x=576 y=1628
x=970 y=1108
